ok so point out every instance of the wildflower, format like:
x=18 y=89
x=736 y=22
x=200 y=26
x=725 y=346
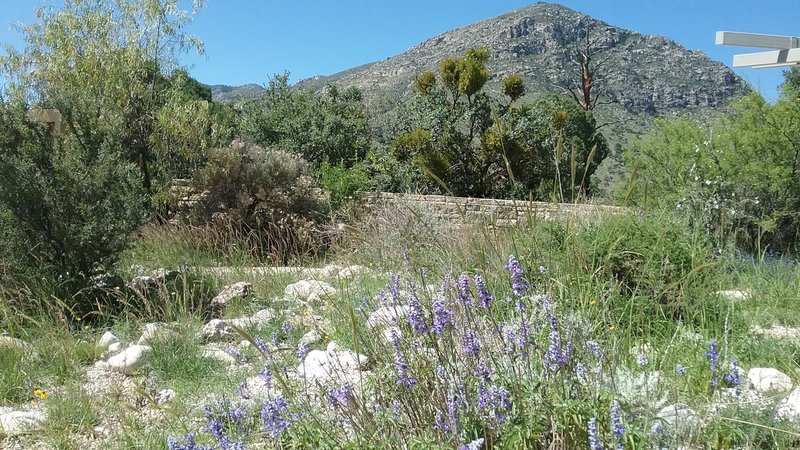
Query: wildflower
x=470 y=344
x=302 y=350
x=187 y=443
x=401 y=369
x=518 y=283
x=286 y=327
x=266 y=374
x=595 y=348
x=641 y=360
x=462 y=285
x=275 y=416
x=339 y=397
x=441 y=372
x=477 y=444
x=657 y=427
x=274 y=338
x=442 y=316
x=441 y=424
x=713 y=360
x=555 y=355
x=484 y=295
x=616 y=424
x=261 y=345
x=612 y=328
x=713 y=354
x=680 y=370
x=580 y=371
x=40 y=394
x=593 y=302
x=483 y=371
x=524 y=338
x=734 y=377
x=594 y=435
x=394 y=289
x=416 y=315
x=494 y=403
x=396 y=408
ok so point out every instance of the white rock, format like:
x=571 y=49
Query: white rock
x=114 y=348
x=143 y=283
x=309 y=290
x=164 y=396
x=678 y=418
x=232 y=292
x=258 y=319
x=130 y=359
x=215 y=329
x=20 y=422
x=106 y=340
x=156 y=331
x=331 y=366
x=330 y=271
x=312 y=337
x=162 y=275
x=769 y=380
x=256 y=389
x=352 y=272
x=388 y=316
x=734 y=295
x=789 y=407
x=218 y=355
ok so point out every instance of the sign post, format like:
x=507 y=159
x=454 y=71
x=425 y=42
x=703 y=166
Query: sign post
x=785 y=49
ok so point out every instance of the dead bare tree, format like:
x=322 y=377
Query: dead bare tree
x=584 y=91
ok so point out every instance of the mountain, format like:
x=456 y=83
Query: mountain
x=225 y=93
x=641 y=76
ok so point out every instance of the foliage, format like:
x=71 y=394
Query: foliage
x=551 y=146
x=269 y=192
x=72 y=202
x=331 y=126
x=467 y=143
x=108 y=79
x=740 y=176
x=342 y=183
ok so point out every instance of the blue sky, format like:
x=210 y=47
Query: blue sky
x=249 y=40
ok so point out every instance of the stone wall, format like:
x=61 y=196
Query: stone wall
x=488 y=210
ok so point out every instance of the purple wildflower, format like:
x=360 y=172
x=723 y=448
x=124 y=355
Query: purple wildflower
x=680 y=369
x=518 y=283
x=441 y=424
x=555 y=355
x=394 y=289
x=274 y=338
x=484 y=295
x=416 y=316
x=580 y=371
x=441 y=372
x=401 y=370
x=616 y=425
x=483 y=371
x=477 y=444
x=340 y=397
x=641 y=360
x=286 y=327
x=396 y=408
x=302 y=350
x=187 y=443
x=594 y=435
x=275 y=416
x=442 y=316
x=595 y=348
x=470 y=344
x=494 y=402
x=734 y=377
x=462 y=286
x=261 y=345
x=713 y=354
x=542 y=270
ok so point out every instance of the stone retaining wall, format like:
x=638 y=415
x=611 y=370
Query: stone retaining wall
x=488 y=210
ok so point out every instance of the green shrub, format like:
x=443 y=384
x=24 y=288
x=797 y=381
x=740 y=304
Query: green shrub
x=268 y=193
x=74 y=202
x=662 y=270
x=341 y=182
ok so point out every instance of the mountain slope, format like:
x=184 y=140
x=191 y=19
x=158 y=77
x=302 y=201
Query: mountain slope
x=642 y=76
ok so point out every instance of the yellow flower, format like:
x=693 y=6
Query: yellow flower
x=77 y=318
x=172 y=293
x=612 y=328
x=593 y=302
x=39 y=394
x=116 y=288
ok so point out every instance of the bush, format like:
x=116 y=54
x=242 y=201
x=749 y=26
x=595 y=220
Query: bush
x=264 y=192
x=341 y=182
x=662 y=270
x=71 y=203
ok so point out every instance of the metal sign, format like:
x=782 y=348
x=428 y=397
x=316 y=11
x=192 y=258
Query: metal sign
x=786 y=49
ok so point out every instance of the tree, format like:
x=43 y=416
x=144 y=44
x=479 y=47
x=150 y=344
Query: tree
x=101 y=63
x=738 y=175
x=514 y=86
x=584 y=91
x=330 y=126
